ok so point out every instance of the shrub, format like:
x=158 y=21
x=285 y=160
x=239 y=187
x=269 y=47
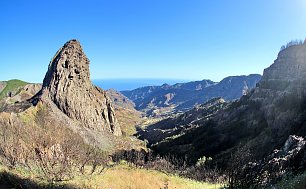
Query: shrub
x=171 y=164
x=47 y=149
x=202 y=161
x=292 y=43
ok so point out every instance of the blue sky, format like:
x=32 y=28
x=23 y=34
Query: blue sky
x=173 y=39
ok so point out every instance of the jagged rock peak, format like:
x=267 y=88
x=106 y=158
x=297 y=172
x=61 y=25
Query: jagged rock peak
x=67 y=83
x=71 y=60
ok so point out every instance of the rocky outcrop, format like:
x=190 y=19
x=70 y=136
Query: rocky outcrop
x=288 y=160
x=289 y=66
x=128 y=117
x=67 y=84
x=291 y=156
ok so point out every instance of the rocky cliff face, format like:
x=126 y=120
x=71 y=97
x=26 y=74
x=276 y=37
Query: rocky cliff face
x=289 y=65
x=67 y=84
x=287 y=74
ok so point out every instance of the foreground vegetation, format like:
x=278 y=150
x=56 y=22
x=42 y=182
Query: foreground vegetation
x=38 y=153
x=119 y=176
x=125 y=176
x=293 y=182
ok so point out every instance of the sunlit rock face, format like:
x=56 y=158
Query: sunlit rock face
x=288 y=71
x=67 y=83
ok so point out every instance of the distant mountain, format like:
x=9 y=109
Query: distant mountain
x=165 y=99
x=14 y=91
x=130 y=83
x=11 y=87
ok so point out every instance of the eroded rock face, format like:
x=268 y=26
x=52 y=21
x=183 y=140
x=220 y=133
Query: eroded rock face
x=67 y=83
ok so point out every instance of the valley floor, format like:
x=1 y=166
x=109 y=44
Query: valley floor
x=117 y=177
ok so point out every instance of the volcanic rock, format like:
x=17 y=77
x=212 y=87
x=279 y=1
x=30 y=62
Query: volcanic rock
x=67 y=84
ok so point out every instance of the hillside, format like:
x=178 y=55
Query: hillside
x=18 y=91
x=178 y=125
x=167 y=99
x=14 y=91
x=119 y=100
x=268 y=122
x=11 y=87
x=71 y=134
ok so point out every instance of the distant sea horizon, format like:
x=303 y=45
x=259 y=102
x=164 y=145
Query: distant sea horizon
x=130 y=84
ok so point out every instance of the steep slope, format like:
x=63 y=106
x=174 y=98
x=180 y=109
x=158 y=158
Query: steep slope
x=67 y=84
x=119 y=100
x=260 y=121
x=178 y=125
x=150 y=98
x=128 y=117
x=183 y=96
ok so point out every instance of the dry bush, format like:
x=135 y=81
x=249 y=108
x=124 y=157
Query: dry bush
x=61 y=154
x=93 y=157
x=239 y=170
x=58 y=152
x=170 y=164
x=13 y=150
x=48 y=149
x=54 y=161
x=62 y=157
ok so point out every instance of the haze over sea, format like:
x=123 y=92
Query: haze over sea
x=129 y=84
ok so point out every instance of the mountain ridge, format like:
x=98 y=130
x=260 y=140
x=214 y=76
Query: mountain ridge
x=184 y=96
